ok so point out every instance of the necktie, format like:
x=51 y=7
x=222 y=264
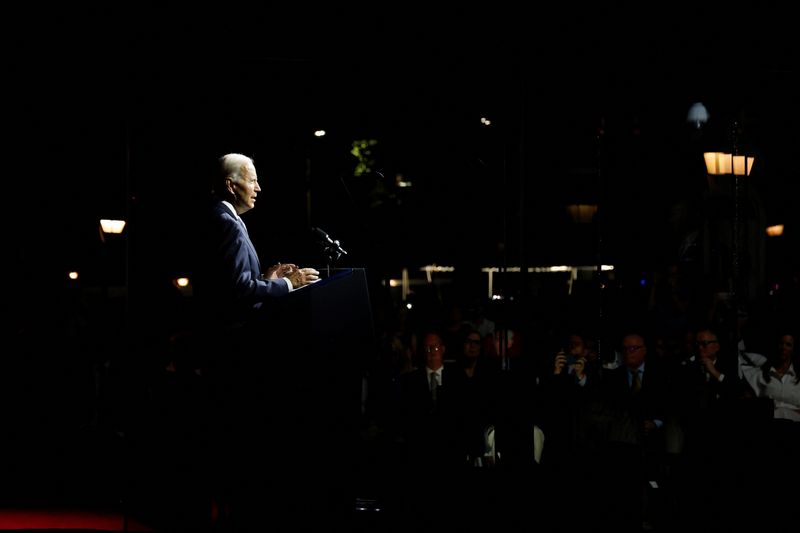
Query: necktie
x=636 y=384
x=434 y=386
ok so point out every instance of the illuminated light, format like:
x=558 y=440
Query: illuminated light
x=698 y=115
x=401 y=181
x=112 y=226
x=573 y=271
x=554 y=268
x=409 y=306
x=183 y=285
x=642 y=282
x=739 y=162
x=437 y=268
x=485 y=121
x=775 y=231
x=319 y=133
x=395 y=282
x=718 y=163
x=582 y=213
x=73 y=275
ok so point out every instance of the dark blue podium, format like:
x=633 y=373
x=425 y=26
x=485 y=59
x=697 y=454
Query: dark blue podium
x=315 y=342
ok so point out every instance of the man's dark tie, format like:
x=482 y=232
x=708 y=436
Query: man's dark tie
x=636 y=383
x=434 y=387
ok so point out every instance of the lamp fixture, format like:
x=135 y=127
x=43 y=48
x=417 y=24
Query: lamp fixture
x=582 y=213
x=721 y=163
x=112 y=226
x=775 y=231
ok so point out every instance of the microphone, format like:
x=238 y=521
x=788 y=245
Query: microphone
x=330 y=245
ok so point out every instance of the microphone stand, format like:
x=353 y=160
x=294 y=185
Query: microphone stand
x=332 y=251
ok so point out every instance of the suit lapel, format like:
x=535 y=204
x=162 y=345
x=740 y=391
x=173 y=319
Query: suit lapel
x=246 y=236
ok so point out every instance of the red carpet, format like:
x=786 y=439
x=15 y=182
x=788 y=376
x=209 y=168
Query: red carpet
x=66 y=519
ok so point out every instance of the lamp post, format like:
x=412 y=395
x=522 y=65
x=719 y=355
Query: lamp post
x=736 y=166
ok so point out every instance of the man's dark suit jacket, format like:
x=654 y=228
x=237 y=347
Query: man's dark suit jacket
x=708 y=409
x=649 y=404
x=433 y=432
x=230 y=283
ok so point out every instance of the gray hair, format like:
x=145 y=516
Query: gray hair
x=230 y=166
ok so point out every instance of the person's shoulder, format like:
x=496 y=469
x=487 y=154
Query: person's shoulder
x=491 y=366
x=217 y=212
x=616 y=374
x=454 y=373
x=752 y=358
x=215 y=206
x=418 y=375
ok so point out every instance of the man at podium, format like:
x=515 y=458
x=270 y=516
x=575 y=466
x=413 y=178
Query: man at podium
x=234 y=281
x=239 y=303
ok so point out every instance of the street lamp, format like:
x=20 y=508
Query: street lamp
x=718 y=163
x=111 y=226
x=737 y=166
x=582 y=213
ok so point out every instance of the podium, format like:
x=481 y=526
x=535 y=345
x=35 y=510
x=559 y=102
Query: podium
x=316 y=340
x=327 y=327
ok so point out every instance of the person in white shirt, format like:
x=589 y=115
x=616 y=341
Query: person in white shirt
x=775 y=377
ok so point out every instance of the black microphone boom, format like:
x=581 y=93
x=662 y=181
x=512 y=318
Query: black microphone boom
x=332 y=248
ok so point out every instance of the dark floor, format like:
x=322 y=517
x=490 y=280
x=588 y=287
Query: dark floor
x=71 y=519
x=92 y=479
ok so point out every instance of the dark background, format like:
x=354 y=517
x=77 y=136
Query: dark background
x=121 y=112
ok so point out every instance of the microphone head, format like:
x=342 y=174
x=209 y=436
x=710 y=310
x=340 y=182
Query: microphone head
x=319 y=234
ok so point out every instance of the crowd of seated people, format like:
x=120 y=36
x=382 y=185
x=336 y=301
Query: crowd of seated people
x=667 y=422
x=666 y=410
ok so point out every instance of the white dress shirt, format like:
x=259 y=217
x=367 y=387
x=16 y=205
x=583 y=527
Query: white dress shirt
x=784 y=390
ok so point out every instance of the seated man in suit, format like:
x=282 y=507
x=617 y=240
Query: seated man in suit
x=432 y=403
x=635 y=398
x=432 y=429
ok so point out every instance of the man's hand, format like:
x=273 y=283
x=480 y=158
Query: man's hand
x=281 y=270
x=559 y=362
x=579 y=368
x=302 y=276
